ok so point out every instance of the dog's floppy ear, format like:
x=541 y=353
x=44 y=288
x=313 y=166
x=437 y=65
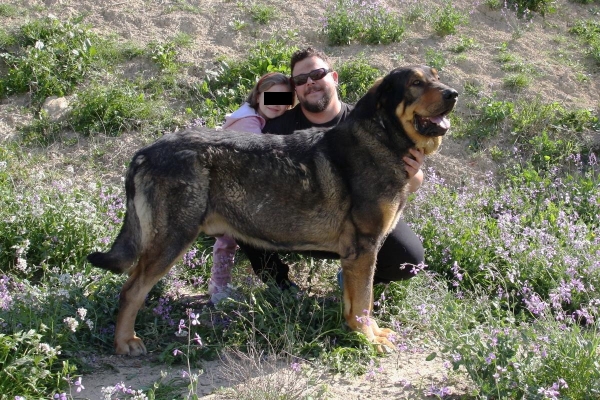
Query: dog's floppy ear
x=367 y=106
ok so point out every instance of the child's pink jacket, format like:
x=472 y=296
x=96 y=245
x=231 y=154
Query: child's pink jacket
x=244 y=119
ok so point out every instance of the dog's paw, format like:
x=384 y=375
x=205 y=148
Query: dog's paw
x=133 y=347
x=384 y=339
x=383 y=345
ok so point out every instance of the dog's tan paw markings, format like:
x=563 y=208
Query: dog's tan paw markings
x=133 y=347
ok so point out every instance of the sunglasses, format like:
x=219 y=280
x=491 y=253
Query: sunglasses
x=315 y=75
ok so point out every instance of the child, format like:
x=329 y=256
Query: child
x=250 y=117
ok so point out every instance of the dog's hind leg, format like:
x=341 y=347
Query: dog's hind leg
x=152 y=265
x=358 y=300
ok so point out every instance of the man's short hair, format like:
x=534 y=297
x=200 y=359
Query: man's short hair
x=309 y=52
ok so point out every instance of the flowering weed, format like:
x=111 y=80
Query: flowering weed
x=56 y=57
x=29 y=367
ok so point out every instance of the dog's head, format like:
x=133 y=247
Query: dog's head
x=419 y=102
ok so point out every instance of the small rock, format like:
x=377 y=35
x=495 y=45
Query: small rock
x=56 y=108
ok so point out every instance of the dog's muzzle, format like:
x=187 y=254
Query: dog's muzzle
x=438 y=124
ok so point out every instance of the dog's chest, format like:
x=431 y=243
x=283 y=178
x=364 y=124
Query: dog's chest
x=391 y=209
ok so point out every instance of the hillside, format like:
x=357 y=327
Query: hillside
x=494 y=59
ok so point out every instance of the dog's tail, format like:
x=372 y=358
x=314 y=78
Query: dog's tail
x=127 y=246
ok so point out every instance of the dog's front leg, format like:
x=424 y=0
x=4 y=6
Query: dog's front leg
x=358 y=300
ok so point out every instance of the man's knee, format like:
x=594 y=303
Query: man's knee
x=400 y=256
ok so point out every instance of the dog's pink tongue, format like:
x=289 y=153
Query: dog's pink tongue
x=443 y=122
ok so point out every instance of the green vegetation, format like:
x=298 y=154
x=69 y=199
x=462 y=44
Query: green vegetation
x=261 y=13
x=355 y=77
x=517 y=81
x=55 y=58
x=435 y=59
x=589 y=32
x=367 y=22
x=8 y=10
x=448 y=19
x=114 y=110
x=464 y=44
x=540 y=129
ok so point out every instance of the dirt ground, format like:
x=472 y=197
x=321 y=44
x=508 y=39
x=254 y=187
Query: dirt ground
x=399 y=376
x=544 y=44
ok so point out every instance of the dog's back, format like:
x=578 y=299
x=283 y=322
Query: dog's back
x=234 y=183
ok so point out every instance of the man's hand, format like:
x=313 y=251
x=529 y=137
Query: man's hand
x=413 y=165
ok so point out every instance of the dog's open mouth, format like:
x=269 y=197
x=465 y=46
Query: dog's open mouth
x=432 y=126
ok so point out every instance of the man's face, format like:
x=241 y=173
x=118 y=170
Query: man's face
x=315 y=96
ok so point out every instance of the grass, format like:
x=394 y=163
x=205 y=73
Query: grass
x=517 y=81
x=509 y=297
x=356 y=77
x=448 y=19
x=436 y=59
x=464 y=44
x=8 y=10
x=55 y=57
x=367 y=22
x=262 y=13
x=589 y=32
x=529 y=122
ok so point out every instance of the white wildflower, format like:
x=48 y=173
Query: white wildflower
x=72 y=323
x=82 y=312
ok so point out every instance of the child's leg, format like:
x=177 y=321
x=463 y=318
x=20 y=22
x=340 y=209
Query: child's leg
x=223 y=257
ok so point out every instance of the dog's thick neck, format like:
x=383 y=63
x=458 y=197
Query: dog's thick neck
x=396 y=132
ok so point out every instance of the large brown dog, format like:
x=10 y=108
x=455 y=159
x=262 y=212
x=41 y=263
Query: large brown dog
x=339 y=190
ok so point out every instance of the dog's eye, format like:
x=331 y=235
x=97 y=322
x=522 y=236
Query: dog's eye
x=417 y=83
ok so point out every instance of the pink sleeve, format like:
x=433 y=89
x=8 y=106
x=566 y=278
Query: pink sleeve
x=247 y=124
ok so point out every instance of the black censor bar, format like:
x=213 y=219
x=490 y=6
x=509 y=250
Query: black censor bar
x=279 y=98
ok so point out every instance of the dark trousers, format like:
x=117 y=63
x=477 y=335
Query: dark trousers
x=400 y=251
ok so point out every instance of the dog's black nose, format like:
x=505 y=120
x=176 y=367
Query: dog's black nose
x=450 y=94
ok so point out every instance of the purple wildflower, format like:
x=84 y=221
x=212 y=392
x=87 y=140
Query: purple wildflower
x=197 y=339
x=78 y=385
x=439 y=392
x=491 y=357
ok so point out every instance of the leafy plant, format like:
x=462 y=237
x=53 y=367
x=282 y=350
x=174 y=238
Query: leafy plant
x=435 y=59
x=165 y=55
x=367 y=22
x=57 y=56
x=448 y=19
x=355 y=78
x=589 y=31
x=262 y=13
x=464 y=44
x=524 y=7
x=29 y=367
x=112 y=110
